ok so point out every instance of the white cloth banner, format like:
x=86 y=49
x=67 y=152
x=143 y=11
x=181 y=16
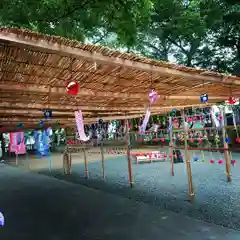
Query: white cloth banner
x=80 y=126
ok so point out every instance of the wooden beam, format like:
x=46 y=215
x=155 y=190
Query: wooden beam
x=32 y=112
x=34 y=42
x=34 y=88
x=92 y=108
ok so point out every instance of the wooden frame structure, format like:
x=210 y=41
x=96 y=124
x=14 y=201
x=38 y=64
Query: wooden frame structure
x=35 y=68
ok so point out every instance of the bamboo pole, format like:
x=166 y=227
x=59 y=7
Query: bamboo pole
x=16 y=159
x=130 y=175
x=103 y=165
x=85 y=163
x=191 y=193
x=171 y=145
x=225 y=145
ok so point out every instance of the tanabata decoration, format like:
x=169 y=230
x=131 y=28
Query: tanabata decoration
x=47 y=113
x=42 y=142
x=100 y=121
x=20 y=125
x=17 y=144
x=232 y=100
x=41 y=123
x=152 y=97
x=72 y=88
x=204 y=98
x=80 y=126
x=1 y=220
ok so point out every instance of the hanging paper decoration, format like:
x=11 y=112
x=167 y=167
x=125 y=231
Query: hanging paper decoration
x=100 y=121
x=20 y=125
x=204 y=98
x=152 y=96
x=72 y=88
x=232 y=100
x=145 y=122
x=47 y=113
x=233 y=162
x=41 y=123
x=17 y=144
x=214 y=110
x=1 y=220
x=80 y=126
x=42 y=142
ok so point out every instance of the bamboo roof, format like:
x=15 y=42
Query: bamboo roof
x=34 y=70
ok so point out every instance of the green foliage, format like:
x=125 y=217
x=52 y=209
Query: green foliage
x=197 y=33
x=77 y=19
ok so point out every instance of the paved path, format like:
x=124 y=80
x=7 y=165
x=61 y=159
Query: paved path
x=39 y=207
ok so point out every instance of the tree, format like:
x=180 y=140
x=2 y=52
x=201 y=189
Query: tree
x=77 y=19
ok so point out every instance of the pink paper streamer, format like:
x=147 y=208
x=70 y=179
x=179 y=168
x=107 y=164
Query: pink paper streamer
x=80 y=126
x=14 y=146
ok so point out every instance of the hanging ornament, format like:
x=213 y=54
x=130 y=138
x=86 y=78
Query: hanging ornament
x=20 y=125
x=231 y=100
x=41 y=123
x=191 y=140
x=195 y=159
x=238 y=140
x=233 y=162
x=1 y=220
x=152 y=96
x=220 y=161
x=162 y=139
x=201 y=118
x=100 y=121
x=72 y=88
x=204 y=98
x=190 y=120
x=195 y=118
x=47 y=113
x=227 y=140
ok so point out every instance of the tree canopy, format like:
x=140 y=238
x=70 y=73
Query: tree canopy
x=196 y=33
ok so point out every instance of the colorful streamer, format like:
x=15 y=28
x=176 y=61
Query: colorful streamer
x=145 y=122
x=80 y=126
x=152 y=97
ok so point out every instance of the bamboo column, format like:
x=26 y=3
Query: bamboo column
x=171 y=145
x=85 y=163
x=69 y=163
x=130 y=175
x=225 y=145
x=103 y=165
x=191 y=193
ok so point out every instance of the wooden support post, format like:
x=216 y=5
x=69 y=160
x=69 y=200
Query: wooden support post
x=171 y=145
x=103 y=166
x=191 y=193
x=85 y=163
x=130 y=175
x=65 y=154
x=69 y=163
x=225 y=145
x=16 y=159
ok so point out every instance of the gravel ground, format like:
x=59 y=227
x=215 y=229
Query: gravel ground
x=216 y=200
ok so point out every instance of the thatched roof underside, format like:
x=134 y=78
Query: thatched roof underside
x=35 y=68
